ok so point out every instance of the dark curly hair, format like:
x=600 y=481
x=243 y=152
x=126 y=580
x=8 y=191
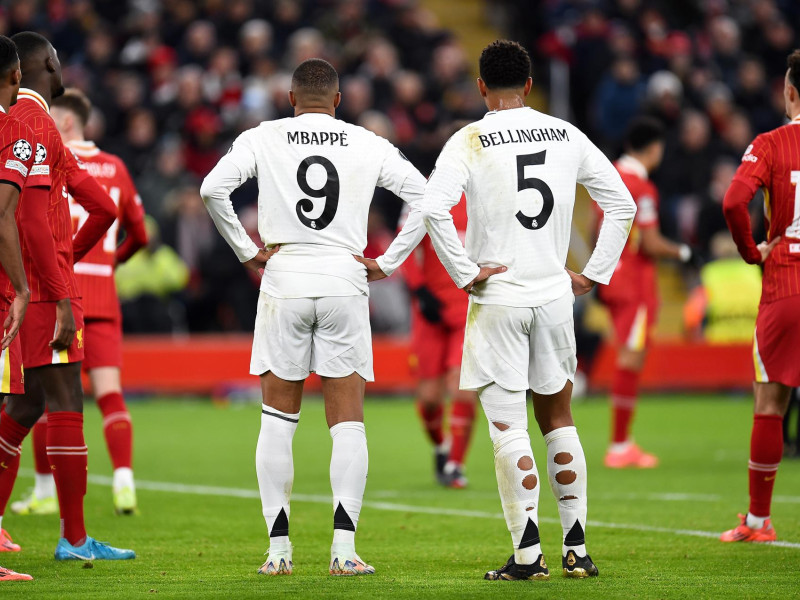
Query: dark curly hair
x=8 y=55
x=504 y=65
x=315 y=77
x=642 y=132
x=793 y=62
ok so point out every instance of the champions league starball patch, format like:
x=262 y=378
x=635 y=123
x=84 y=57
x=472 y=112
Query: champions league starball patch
x=22 y=149
x=41 y=154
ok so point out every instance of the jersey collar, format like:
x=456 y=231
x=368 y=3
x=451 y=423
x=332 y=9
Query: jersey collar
x=627 y=163
x=3 y=110
x=29 y=94
x=83 y=147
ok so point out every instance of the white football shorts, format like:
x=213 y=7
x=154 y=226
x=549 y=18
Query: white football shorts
x=520 y=348
x=329 y=336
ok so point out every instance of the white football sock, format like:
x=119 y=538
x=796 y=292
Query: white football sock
x=517 y=477
x=754 y=522
x=44 y=486
x=566 y=470
x=349 y=464
x=275 y=471
x=123 y=477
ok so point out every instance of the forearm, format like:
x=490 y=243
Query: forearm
x=216 y=193
x=102 y=212
x=734 y=207
x=657 y=246
x=610 y=243
x=135 y=239
x=11 y=254
x=39 y=242
x=413 y=230
x=442 y=231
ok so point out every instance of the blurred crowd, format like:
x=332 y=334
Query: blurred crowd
x=712 y=71
x=173 y=82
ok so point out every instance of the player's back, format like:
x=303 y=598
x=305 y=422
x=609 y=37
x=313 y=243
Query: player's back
x=780 y=149
x=522 y=169
x=316 y=177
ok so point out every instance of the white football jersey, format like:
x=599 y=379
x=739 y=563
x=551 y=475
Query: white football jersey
x=519 y=168
x=316 y=178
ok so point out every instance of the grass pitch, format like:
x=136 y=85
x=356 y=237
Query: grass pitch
x=200 y=533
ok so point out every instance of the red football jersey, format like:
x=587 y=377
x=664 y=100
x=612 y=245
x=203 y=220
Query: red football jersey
x=54 y=162
x=423 y=267
x=95 y=271
x=772 y=162
x=635 y=276
x=17 y=149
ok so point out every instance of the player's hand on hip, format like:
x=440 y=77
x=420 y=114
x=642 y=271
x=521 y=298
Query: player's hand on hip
x=259 y=261
x=483 y=275
x=16 y=313
x=581 y=284
x=374 y=272
x=766 y=248
x=65 y=326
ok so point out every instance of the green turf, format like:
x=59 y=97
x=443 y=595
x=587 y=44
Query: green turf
x=202 y=545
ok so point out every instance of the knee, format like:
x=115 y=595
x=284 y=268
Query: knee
x=25 y=411
x=505 y=410
x=429 y=394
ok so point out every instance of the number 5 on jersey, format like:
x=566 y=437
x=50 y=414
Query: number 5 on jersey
x=526 y=183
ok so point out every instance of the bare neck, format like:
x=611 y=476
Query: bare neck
x=505 y=99
x=39 y=86
x=72 y=135
x=321 y=110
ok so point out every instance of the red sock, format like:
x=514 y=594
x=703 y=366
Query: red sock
x=431 y=415
x=39 y=438
x=623 y=403
x=117 y=428
x=766 y=449
x=462 y=415
x=11 y=436
x=67 y=453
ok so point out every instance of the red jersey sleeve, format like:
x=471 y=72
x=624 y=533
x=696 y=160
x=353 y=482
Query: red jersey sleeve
x=41 y=171
x=16 y=157
x=88 y=193
x=131 y=216
x=755 y=169
x=647 y=206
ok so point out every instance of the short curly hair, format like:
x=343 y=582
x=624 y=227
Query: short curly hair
x=316 y=77
x=504 y=65
x=793 y=62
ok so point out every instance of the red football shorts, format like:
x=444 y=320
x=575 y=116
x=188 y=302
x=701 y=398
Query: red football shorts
x=12 y=376
x=38 y=329
x=436 y=348
x=632 y=322
x=103 y=344
x=776 y=355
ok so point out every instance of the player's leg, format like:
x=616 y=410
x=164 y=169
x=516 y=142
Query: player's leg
x=777 y=369
x=462 y=417
x=102 y=361
x=280 y=414
x=631 y=324
x=118 y=433
x=16 y=419
x=517 y=481
x=281 y=357
x=553 y=362
x=342 y=357
x=766 y=450
x=428 y=358
x=42 y=499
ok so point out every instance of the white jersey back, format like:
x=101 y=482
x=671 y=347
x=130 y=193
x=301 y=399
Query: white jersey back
x=519 y=169
x=316 y=179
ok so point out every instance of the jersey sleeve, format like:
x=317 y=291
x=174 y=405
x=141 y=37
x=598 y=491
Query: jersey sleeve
x=755 y=168
x=16 y=159
x=605 y=186
x=232 y=170
x=131 y=216
x=444 y=189
x=647 y=207
x=92 y=197
x=41 y=171
x=399 y=176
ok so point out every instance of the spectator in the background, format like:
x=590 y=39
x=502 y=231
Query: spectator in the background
x=164 y=172
x=147 y=285
x=711 y=220
x=619 y=96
